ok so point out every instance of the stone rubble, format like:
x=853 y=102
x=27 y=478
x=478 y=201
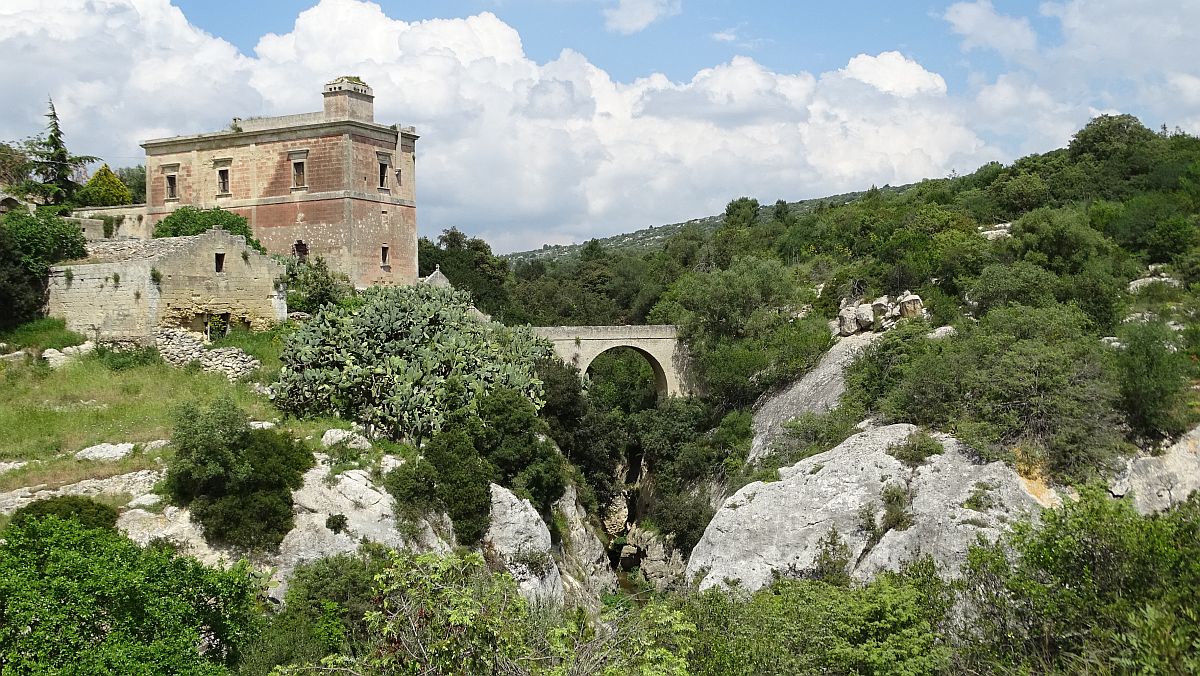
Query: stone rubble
x=179 y=348
x=59 y=358
x=881 y=314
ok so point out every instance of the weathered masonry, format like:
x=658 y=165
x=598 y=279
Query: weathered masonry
x=332 y=183
x=126 y=289
x=659 y=344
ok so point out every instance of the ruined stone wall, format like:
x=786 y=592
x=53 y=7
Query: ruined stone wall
x=105 y=301
x=120 y=300
x=129 y=221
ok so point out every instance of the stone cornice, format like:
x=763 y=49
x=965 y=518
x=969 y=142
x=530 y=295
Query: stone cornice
x=225 y=139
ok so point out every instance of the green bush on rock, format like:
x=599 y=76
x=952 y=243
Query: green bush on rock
x=386 y=361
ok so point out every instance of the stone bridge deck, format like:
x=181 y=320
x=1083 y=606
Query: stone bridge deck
x=658 y=343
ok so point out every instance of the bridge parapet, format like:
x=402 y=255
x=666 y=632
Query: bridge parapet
x=627 y=332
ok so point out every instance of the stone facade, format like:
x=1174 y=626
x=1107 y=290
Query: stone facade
x=658 y=343
x=332 y=183
x=126 y=289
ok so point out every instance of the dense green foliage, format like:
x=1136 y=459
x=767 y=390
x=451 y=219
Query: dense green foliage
x=387 y=360
x=86 y=511
x=134 y=179
x=311 y=285
x=103 y=189
x=189 y=220
x=237 y=481
x=90 y=601
x=29 y=245
x=41 y=334
x=469 y=264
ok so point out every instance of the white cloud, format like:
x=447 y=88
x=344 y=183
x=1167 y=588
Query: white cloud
x=727 y=35
x=632 y=16
x=519 y=152
x=981 y=26
x=893 y=73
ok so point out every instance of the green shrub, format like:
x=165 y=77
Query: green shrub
x=462 y=485
x=336 y=523
x=103 y=189
x=90 y=601
x=413 y=486
x=916 y=449
x=190 y=220
x=123 y=360
x=88 y=512
x=311 y=285
x=1154 y=379
x=238 y=482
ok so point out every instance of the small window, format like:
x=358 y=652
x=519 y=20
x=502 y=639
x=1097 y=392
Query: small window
x=383 y=255
x=383 y=171
x=298 y=174
x=172 y=193
x=219 y=262
x=223 y=181
x=300 y=250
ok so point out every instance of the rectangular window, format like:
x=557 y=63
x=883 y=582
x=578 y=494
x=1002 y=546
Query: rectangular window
x=171 y=187
x=398 y=181
x=383 y=169
x=383 y=255
x=219 y=262
x=223 y=181
x=298 y=174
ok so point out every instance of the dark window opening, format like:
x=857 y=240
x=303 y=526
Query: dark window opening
x=298 y=175
x=383 y=169
x=398 y=181
x=383 y=255
x=300 y=250
x=219 y=262
x=223 y=181
x=171 y=193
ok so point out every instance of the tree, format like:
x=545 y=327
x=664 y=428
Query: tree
x=86 y=511
x=104 y=189
x=54 y=164
x=1154 y=379
x=20 y=290
x=312 y=285
x=90 y=601
x=134 y=178
x=237 y=481
x=16 y=167
x=193 y=221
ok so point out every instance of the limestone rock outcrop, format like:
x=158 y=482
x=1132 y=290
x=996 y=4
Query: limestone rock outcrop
x=817 y=392
x=881 y=314
x=59 y=358
x=1159 y=482
x=105 y=452
x=582 y=562
x=134 y=483
x=520 y=539
x=352 y=440
x=776 y=527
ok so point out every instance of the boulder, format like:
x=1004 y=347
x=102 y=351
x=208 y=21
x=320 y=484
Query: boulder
x=13 y=357
x=350 y=439
x=143 y=501
x=155 y=445
x=519 y=537
x=910 y=305
x=942 y=332
x=660 y=565
x=262 y=425
x=1159 y=482
x=54 y=358
x=864 y=314
x=134 y=483
x=774 y=528
x=11 y=466
x=1139 y=284
x=847 y=321
x=105 y=452
x=817 y=392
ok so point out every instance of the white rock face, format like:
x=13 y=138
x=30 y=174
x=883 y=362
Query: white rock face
x=582 y=561
x=262 y=425
x=134 y=483
x=847 y=321
x=817 y=392
x=11 y=466
x=143 y=501
x=864 y=314
x=173 y=524
x=776 y=527
x=942 y=332
x=518 y=535
x=1159 y=482
x=350 y=439
x=105 y=452
x=1139 y=284
x=155 y=445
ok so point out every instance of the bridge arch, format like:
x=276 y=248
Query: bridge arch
x=659 y=344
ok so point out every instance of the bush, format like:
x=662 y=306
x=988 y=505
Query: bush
x=88 y=601
x=388 y=362
x=1154 y=379
x=86 y=511
x=193 y=221
x=462 y=485
x=414 y=486
x=103 y=189
x=916 y=449
x=237 y=481
x=311 y=285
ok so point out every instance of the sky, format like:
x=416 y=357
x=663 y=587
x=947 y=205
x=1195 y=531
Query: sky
x=555 y=121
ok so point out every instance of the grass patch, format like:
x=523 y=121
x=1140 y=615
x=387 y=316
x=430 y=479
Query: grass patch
x=916 y=449
x=41 y=334
x=44 y=413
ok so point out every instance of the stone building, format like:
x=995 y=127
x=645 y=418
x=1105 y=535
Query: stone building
x=333 y=183
x=126 y=289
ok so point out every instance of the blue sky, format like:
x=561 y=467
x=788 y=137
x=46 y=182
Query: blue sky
x=553 y=121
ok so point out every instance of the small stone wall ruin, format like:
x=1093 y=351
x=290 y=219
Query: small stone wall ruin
x=180 y=348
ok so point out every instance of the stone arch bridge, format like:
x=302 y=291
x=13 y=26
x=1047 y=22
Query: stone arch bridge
x=658 y=343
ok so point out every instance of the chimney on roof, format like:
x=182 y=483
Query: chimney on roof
x=349 y=98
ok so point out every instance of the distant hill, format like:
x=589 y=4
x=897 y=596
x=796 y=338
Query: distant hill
x=653 y=237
